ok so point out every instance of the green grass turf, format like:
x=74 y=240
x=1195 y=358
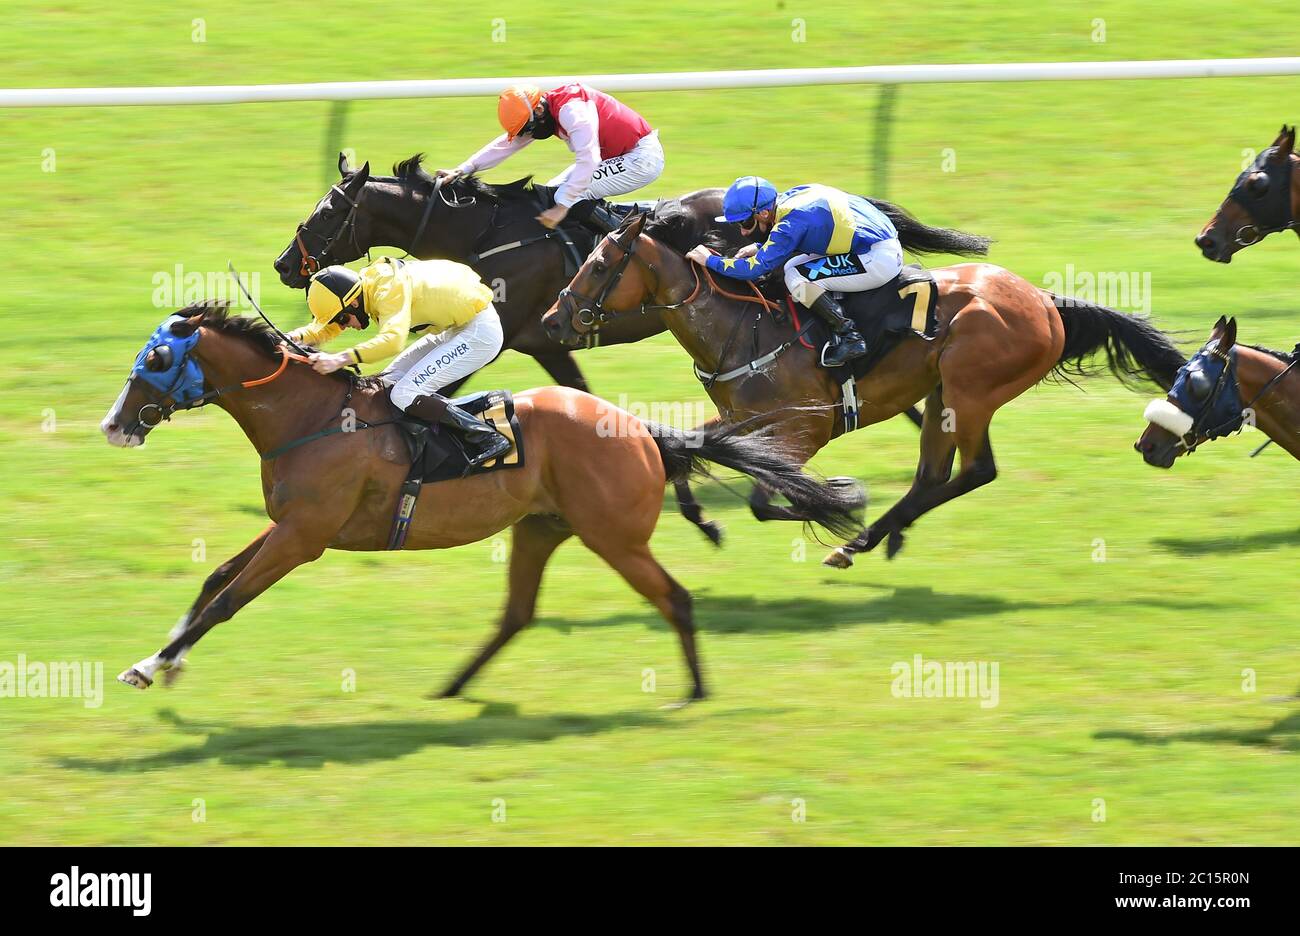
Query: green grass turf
x=1120 y=681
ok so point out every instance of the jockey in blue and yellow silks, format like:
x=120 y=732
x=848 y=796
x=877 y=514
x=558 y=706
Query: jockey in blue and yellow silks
x=826 y=239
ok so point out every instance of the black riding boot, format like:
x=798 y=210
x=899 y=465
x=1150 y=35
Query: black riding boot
x=596 y=215
x=482 y=442
x=846 y=344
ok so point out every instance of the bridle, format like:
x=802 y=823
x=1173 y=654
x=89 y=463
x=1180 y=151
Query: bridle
x=591 y=313
x=164 y=410
x=311 y=263
x=1198 y=434
x=1271 y=213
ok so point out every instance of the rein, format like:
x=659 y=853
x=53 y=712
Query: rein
x=591 y=313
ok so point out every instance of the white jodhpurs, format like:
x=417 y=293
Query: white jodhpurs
x=807 y=276
x=635 y=169
x=435 y=361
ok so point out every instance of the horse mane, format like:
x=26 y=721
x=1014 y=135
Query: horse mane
x=217 y=315
x=1284 y=356
x=467 y=186
x=672 y=225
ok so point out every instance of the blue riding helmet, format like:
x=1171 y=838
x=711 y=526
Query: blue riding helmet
x=747 y=196
x=181 y=377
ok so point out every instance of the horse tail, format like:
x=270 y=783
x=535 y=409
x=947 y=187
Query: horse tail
x=920 y=238
x=835 y=505
x=1135 y=349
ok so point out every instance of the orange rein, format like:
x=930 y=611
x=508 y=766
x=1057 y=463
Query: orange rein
x=287 y=356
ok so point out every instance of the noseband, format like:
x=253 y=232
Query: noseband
x=311 y=263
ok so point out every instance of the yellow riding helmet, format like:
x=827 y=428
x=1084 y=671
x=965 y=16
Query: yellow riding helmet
x=515 y=107
x=331 y=290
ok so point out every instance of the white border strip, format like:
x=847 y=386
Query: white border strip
x=670 y=81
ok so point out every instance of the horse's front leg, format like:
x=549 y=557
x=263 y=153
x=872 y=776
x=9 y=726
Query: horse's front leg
x=219 y=579
x=282 y=548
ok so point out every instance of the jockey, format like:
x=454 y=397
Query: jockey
x=826 y=239
x=402 y=297
x=615 y=150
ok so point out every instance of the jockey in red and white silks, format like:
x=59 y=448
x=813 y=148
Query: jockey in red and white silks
x=615 y=150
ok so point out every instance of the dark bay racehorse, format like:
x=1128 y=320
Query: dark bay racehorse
x=1265 y=199
x=468 y=221
x=339 y=491
x=1223 y=386
x=998 y=335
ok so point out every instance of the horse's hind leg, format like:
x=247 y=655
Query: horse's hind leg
x=938 y=446
x=977 y=469
x=644 y=573
x=536 y=537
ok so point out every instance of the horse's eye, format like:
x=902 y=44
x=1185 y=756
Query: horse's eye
x=159 y=359
x=598 y=267
x=1200 y=384
x=1257 y=184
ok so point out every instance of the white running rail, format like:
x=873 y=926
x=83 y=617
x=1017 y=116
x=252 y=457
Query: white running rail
x=666 y=81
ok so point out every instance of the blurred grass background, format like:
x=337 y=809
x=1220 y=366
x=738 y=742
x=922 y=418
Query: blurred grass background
x=1120 y=681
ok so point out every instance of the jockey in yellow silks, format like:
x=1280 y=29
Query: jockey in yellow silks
x=402 y=297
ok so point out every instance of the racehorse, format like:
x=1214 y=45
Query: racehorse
x=997 y=336
x=1223 y=387
x=1265 y=199
x=339 y=489
x=492 y=228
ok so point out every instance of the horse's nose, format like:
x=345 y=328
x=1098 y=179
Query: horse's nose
x=1206 y=241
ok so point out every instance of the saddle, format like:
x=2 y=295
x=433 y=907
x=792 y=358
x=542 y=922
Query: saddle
x=437 y=454
x=884 y=316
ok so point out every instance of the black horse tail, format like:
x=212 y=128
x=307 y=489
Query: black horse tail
x=1135 y=349
x=835 y=505
x=922 y=239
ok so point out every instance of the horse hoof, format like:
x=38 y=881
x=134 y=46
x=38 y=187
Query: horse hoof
x=133 y=677
x=894 y=545
x=713 y=530
x=838 y=558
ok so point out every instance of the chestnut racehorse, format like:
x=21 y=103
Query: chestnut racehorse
x=1265 y=199
x=997 y=336
x=340 y=489
x=1222 y=387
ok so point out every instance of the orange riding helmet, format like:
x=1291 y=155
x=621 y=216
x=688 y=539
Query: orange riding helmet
x=515 y=107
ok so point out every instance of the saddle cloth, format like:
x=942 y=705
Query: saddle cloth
x=884 y=316
x=436 y=452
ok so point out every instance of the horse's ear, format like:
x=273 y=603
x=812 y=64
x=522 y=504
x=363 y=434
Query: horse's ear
x=1219 y=326
x=343 y=165
x=186 y=327
x=1229 y=336
x=1283 y=145
x=364 y=172
x=637 y=224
